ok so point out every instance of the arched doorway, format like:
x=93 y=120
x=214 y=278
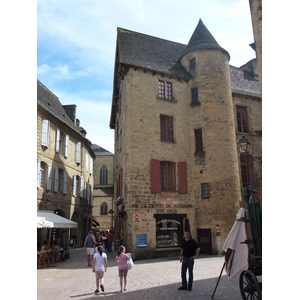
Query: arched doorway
x=75 y=233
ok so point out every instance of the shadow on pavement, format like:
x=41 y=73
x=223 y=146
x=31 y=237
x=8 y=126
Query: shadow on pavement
x=202 y=289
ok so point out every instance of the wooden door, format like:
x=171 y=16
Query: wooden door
x=204 y=240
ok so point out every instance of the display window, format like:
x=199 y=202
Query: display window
x=169 y=232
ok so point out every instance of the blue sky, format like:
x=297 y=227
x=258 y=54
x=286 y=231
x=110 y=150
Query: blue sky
x=76 y=43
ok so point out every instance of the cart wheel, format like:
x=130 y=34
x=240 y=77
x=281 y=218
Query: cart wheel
x=249 y=286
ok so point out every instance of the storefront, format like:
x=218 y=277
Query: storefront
x=169 y=230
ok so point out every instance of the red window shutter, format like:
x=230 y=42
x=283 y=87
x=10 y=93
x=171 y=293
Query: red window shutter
x=120 y=182
x=155 y=176
x=182 y=172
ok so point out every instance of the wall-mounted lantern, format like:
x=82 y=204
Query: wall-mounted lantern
x=244 y=145
x=217 y=230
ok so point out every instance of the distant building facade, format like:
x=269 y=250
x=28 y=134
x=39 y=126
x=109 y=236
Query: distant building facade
x=103 y=189
x=65 y=178
x=178 y=112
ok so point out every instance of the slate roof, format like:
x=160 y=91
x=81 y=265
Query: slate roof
x=162 y=56
x=202 y=39
x=149 y=52
x=242 y=82
x=50 y=102
x=99 y=150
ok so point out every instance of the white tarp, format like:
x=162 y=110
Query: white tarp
x=238 y=259
x=42 y=223
x=56 y=220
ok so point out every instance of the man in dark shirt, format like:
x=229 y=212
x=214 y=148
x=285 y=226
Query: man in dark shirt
x=187 y=256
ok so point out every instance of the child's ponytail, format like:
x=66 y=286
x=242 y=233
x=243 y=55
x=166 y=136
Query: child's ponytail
x=121 y=248
x=100 y=250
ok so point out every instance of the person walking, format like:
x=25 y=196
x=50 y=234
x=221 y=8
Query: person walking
x=187 y=256
x=122 y=259
x=89 y=243
x=110 y=238
x=99 y=267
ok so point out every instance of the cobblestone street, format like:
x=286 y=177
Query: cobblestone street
x=149 y=279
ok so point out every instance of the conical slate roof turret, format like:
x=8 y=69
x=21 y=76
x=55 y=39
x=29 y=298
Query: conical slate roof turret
x=202 y=39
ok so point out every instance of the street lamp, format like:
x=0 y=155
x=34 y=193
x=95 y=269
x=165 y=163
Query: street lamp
x=244 y=145
x=48 y=196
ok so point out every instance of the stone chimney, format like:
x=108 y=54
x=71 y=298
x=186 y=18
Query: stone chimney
x=71 y=112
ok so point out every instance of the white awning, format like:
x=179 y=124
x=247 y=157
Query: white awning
x=56 y=220
x=42 y=223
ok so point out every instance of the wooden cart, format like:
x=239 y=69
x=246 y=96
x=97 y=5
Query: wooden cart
x=250 y=286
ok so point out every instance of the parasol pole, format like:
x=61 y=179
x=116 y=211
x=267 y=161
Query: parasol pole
x=49 y=237
x=227 y=256
x=212 y=296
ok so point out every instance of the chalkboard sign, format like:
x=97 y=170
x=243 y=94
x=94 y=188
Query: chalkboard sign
x=141 y=240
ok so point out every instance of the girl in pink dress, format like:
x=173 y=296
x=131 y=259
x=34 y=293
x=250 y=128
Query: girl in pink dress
x=122 y=259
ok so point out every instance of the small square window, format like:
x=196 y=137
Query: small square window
x=193 y=64
x=205 y=190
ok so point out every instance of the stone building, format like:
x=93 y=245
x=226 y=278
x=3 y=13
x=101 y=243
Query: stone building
x=103 y=188
x=64 y=167
x=178 y=112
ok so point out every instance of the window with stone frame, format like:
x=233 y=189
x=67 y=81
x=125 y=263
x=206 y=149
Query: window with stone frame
x=192 y=64
x=161 y=89
x=195 y=99
x=242 y=119
x=165 y=89
x=103 y=175
x=198 y=141
x=163 y=176
x=205 y=190
x=103 y=209
x=167 y=176
x=246 y=163
x=166 y=129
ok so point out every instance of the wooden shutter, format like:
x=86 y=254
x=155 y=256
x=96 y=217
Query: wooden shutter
x=91 y=166
x=120 y=182
x=155 y=176
x=88 y=192
x=78 y=152
x=38 y=173
x=45 y=133
x=67 y=146
x=49 y=178
x=81 y=186
x=56 y=179
x=57 y=140
x=87 y=161
x=65 y=181
x=182 y=174
x=74 y=186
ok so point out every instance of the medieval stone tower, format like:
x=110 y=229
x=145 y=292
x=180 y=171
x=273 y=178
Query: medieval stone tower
x=213 y=115
x=175 y=142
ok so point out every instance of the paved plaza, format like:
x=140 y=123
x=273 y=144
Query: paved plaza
x=149 y=279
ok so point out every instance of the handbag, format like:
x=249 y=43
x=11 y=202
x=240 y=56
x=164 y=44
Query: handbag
x=130 y=264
